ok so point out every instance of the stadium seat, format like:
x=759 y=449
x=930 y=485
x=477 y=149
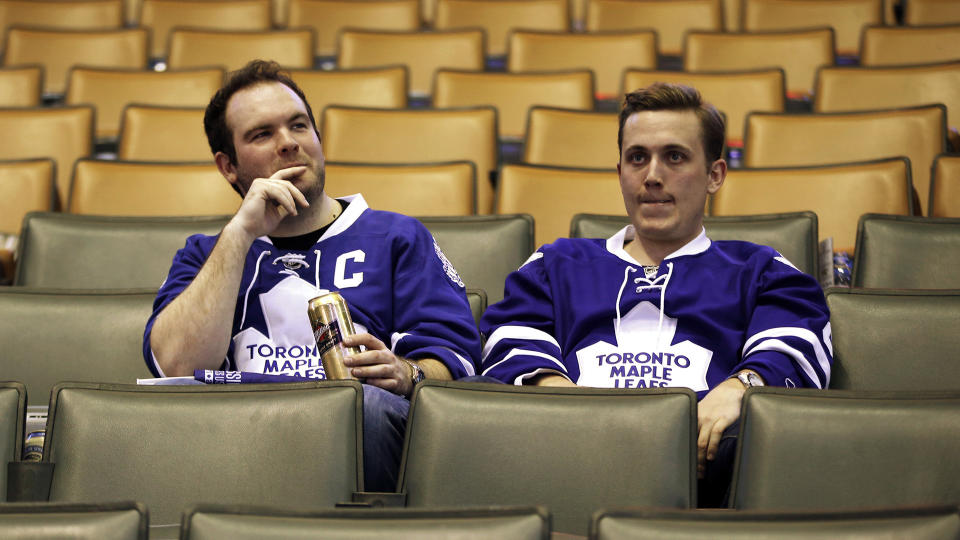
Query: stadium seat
x=478 y=303
x=362 y=87
x=162 y=133
x=807 y=449
x=110 y=90
x=484 y=249
x=799 y=53
x=63 y=134
x=930 y=12
x=671 y=20
x=734 y=93
x=234 y=49
x=793 y=234
x=163 y=16
x=570 y=138
x=130 y=188
x=175 y=446
x=21 y=86
x=498 y=19
x=65 y=251
x=52 y=335
x=788 y=140
x=894 y=339
x=838 y=194
x=508 y=445
x=360 y=135
x=524 y=189
x=329 y=17
x=512 y=94
x=945 y=186
x=919 y=523
x=607 y=54
x=59 y=50
x=61 y=14
x=846 y=17
x=106 y=521
x=907 y=252
x=25 y=186
x=901 y=45
x=422 y=52
x=13 y=407
x=246 y=523
x=437 y=189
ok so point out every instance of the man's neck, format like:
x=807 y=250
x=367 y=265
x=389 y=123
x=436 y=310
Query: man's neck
x=649 y=252
x=319 y=214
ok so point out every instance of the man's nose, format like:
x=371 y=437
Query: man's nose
x=654 y=172
x=287 y=142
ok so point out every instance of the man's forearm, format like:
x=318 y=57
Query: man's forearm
x=194 y=330
x=434 y=369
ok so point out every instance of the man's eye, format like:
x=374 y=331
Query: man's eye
x=300 y=125
x=676 y=156
x=259 y=135
x=637 y=158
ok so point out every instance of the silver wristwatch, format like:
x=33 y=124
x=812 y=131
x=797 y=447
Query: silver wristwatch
x=749 y=379
x=416 y=374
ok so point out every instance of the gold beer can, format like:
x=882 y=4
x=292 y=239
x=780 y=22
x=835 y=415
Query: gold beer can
x=330 y=321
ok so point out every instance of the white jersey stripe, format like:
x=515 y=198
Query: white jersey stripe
x=525 y=352
x=779 y=346
x=517 y=332
x=800 y=333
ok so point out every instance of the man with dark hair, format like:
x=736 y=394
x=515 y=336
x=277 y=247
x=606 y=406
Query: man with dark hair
x=238 y=301
x=659 y=304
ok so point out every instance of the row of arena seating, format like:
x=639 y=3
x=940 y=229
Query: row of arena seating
x=573 y=450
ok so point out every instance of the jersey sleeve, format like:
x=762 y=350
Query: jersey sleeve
x=432 y=317
x=520 y=329
x=788 y=337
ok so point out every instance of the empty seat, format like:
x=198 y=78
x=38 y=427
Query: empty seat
x=162 y=133
x=570 y=138
x=422 y=52
x=21 y=86
x=799 y=53
x=498 y=19
x=930 y=12
x=512 y=94
x=61 y=14
x=65 y=251
x=128 y=188
x=162 y=16
x=63 y=134
x=786 y=140
x=25 y=186
x=838 y=194
x=734 y=93
x=846 y=17
x=362 y=87
x=59 y=50
x=571 y=461
x=440 y=189
x=329 y=17
x=522 y=189
x=945 y=187
x=907 y=252
x=110 y=90
x=13 y=407
x=898 y=45
x=234 y=49
x=484 y=249
x=359 y=135
x=671 y=20
x=894 y=339
x=174 y=446
x=793 y=234
x=885 y=449
x=242 y=523
x=108 y=521
x=606 y=54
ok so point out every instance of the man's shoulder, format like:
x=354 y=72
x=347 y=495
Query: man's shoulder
x=386 y=222
x=741 y=251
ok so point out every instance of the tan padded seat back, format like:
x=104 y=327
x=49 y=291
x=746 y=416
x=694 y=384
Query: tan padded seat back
x=569 y=138
x=442 y=189
x=234 y=49
x=157 y=133
x=512 y=94
x=501 y=17
x=422 y=52
x=671 y=20
x=553 y=195
x=111 y=90
x=329 y=17
x=64 y=134
x=363 y=87
x=162 y=16
x=118 y=188
x=415 y=136
x=787 y=140
x=25 y=186
x=606 y=54
x=61 y=14
x=931 y=12
x=734 y=93
x=21 y=86
x=885 y=241
x=799 y=53
x=837 y=194
x=897 y=45
x=58 y=51
x=846 y=17
x=945 y=188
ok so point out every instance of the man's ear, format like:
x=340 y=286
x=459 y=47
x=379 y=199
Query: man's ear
x=716 y=176
x=226 y=168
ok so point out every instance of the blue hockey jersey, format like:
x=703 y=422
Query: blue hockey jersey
x=397 y=283
x=584 y=308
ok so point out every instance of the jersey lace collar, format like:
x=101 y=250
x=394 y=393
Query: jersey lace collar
x=615 y=245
